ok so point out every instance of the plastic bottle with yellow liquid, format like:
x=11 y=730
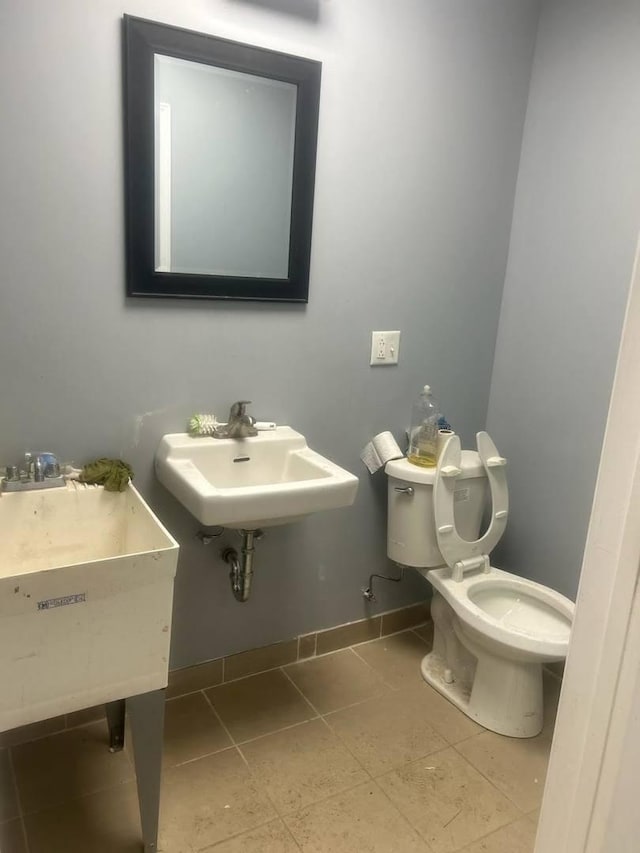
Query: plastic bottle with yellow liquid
x=423 y=434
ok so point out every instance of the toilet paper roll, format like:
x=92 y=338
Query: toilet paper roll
x=443 y=436
x=380 y=450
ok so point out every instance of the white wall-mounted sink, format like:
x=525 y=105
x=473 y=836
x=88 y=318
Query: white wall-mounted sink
x=268 y=479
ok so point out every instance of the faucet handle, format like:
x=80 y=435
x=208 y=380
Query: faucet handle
x=238 y=409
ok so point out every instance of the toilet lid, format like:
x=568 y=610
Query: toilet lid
x=452 y=546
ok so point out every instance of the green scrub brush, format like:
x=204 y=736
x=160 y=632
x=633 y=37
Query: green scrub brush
x=203 y=425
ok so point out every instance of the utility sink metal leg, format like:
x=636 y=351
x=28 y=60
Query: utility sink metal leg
x=146 y=713
x=115 y=719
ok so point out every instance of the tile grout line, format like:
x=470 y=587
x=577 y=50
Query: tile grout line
x=391 y=686
x=77 y=797
x=447 y=746
x=191 y=692
x=372 y=779
x=210 y=848
x=308 y=701
x=374 y=670
x=39 y=737
x=354 y=704
x=497 y=829
x=246 y=764
x=484 y=776
x=224 y=728
x=238 y=748
x=342 y=707
x=335 y=734
x=352 y=647
x=475 y=840
x=16 y=789
x=419 y=636
x=278 y=731
x=417 y=832
x=340 y=793
x=223 y=680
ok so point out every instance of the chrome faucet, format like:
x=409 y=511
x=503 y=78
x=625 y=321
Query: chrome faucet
x=240 y=424
x=35 y=471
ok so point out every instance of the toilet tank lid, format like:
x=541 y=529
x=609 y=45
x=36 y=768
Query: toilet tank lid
x=402 y=469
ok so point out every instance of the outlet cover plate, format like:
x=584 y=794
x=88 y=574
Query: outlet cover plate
x=385 y=347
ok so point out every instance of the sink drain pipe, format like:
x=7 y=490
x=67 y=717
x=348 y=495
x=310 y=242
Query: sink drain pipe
x=241 y=573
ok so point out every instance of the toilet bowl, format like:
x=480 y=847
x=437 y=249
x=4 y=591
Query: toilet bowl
x=493 y=630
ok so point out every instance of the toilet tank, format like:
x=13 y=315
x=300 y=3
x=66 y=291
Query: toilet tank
x=411 y=530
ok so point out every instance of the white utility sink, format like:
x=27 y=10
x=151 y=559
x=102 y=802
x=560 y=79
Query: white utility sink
x=86 y=592
x=268 y=479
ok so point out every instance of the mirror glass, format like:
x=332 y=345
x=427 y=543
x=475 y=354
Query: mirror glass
x=224 y=144
x=220 y=142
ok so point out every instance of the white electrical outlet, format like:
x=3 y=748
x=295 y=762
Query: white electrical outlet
x=385 y=347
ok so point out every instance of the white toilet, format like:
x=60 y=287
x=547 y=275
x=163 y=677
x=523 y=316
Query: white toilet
x=493 y=630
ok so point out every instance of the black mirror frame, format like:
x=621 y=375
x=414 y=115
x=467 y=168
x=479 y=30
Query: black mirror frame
x=142 y=40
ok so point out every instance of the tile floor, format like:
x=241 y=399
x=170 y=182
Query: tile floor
x=346 y=753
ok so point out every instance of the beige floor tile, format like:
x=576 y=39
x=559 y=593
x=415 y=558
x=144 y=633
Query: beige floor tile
x=259 y=704
x=387 y=731
x=336 y=680
x=12 y=838
x=444 y=717
x=8 y=799
x=517 y=766
x=518 y=837
x=425 y=632
x=396 y=658
x=302 y=765
x=68 y=765
x=273 y=837
x=209 y=800
x=107 y=822
x=447 y=800
x=361 y=820
x=191 y=730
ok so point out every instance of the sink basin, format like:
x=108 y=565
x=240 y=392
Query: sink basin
x=268 y=479
x=86 y=592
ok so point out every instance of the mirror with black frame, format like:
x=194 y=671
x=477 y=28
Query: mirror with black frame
x=220 y=144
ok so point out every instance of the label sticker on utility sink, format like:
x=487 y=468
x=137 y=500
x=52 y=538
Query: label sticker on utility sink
x=63 y=601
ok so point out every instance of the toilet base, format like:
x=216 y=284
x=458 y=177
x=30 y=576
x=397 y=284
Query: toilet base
x=503 y=694
x=433 y=669
x=520 y=715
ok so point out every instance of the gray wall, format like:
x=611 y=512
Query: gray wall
x=575 y=229
x=422 y=110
